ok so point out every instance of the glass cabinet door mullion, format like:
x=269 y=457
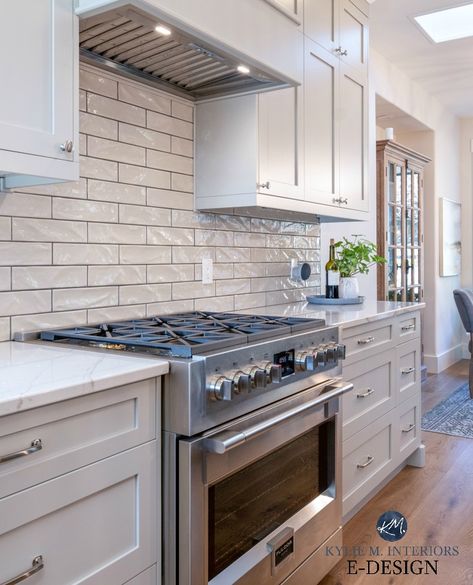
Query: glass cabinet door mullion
x=403 y=233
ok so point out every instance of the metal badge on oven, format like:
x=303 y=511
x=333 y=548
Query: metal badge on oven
x=281 y=548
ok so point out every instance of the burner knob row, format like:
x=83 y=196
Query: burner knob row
x=320 y=356
x=221 y=387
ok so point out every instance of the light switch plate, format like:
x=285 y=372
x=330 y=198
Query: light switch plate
x=207 y=271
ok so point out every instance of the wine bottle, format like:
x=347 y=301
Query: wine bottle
x=332 y=274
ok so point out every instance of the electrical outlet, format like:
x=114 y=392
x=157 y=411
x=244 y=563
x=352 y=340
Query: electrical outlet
x=207 y=271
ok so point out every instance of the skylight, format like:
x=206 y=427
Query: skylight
x=449 y=24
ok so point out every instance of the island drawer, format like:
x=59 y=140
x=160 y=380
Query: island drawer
x=46 y=442
x=92 y=526
x=368 y=457
x=373 y=394
x=408 y=326
x=368 y=339
x=148 y=577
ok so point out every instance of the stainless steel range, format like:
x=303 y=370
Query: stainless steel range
x=251 y=442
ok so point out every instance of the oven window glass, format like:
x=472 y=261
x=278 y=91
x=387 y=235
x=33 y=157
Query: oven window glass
x=246 y=506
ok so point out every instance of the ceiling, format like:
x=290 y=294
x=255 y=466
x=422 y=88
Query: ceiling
x=445 y=70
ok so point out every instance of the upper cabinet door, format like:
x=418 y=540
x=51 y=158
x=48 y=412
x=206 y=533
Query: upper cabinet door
x=353 y=139
x=280 y=143
x=321 y=125
x=37 y=103
x=321 y=22
x=353 y=36
x=292 y=7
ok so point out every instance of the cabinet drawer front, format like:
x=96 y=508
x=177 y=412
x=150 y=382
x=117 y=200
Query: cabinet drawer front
x=93 y=526
x=409 y=429
x=373 y=393
x=409 y=326
x=409 y=369
x=368 y=457
x=75 y=433
x=367 y=339
x=148 y=577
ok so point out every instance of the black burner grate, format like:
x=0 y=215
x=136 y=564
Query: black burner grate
x=186 y=334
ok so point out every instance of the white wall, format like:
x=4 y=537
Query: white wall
x=443 y=331
x=466 y=162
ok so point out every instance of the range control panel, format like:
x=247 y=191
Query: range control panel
x=269 y=365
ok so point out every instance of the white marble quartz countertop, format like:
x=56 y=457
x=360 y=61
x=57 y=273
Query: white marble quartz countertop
x=341 y=315
x=33 y=375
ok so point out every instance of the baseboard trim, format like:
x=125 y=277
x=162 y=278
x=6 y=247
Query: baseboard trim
x=466 y=353
x=437 y=363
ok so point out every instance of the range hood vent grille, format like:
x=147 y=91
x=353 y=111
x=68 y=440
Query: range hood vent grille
x=125 y=41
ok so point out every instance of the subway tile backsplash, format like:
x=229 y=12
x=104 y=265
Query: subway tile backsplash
x=124 y=241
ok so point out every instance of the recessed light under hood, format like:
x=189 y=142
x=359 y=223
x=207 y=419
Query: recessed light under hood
x=126 y=41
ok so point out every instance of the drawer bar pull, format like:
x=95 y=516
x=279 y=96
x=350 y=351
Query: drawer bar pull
x=36 y=446
x=365 y=341
x=368 y=461
x=409 y=428
x=406 y=371
x=408 y=327
x=365 y=394
x=36 y=565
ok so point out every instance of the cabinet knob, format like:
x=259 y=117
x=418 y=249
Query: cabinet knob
x=342 y=52
x=340 y=200
x=266 y=185
x=68 y=146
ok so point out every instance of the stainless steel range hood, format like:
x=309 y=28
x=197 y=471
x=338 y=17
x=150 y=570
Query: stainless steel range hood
x=125 y=40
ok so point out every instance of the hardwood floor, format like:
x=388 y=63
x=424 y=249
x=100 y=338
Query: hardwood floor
x=437 y=502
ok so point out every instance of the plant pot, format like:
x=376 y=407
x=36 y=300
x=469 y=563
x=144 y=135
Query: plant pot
x=348 y=288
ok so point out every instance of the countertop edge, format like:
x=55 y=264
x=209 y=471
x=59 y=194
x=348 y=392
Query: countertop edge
x=345 y=324
x=60 y=390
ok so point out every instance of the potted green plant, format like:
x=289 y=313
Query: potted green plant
x=354 y=256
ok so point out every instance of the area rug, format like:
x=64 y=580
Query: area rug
x=452 y=416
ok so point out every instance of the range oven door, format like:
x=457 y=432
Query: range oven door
x=257 y=497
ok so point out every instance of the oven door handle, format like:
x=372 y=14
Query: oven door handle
x=226 y=440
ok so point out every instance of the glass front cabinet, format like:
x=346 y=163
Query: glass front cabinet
x=400 y=192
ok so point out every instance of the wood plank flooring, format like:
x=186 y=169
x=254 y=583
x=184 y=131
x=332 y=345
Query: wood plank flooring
x=436 y=500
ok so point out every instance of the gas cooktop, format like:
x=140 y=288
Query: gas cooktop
x=185 y=334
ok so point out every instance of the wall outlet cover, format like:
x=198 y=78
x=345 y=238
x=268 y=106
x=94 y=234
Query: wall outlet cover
x=207 y=270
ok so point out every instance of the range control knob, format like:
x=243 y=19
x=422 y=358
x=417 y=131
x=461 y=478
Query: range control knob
x=273 y=372
x=341 y=351
x=258 y=377
x=220 y=388
x=320 y=357
x=303 y=359
x=241 y=382
x=331 y=353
